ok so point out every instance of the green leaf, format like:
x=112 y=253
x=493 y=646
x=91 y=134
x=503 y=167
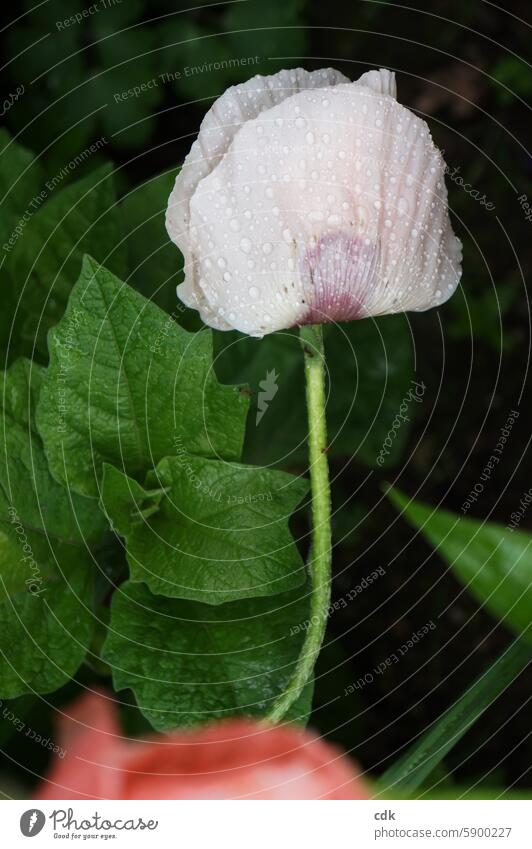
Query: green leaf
x=492 y=561
x=127 y=386
x=220 y=532
x=370 y=372
x=21 y=180
x=412 y=769
x=46 y=558
x=81 y=218
x=125 y=502
x=189 y=663
x=153 y=260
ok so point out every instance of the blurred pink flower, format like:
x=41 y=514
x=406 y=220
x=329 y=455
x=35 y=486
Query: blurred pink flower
x=230 y=760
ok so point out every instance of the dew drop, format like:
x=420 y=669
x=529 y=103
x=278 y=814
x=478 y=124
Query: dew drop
x=245 y=245
x=402 y=206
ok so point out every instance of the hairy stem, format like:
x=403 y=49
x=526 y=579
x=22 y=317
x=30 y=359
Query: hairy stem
x=320 y=558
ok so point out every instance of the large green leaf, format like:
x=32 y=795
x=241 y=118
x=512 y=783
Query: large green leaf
x=370 y=374
x=153 y=260
x=409 y=772
x=81 y=218
x=127 y=386
x=189 y=663
x=220 y=532
x=46 y=558
x=490 y=560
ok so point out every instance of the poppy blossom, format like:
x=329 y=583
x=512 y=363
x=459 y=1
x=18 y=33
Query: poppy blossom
x=308 y=198
x=236 y=759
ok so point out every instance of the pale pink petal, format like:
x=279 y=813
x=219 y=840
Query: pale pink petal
x=92 y=751
x=332 y=203
x=239 y=104
x=381 y=81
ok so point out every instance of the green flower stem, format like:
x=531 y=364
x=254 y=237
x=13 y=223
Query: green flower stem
x=320 y=558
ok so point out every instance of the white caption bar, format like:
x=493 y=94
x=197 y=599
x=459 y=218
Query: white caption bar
x=268 y=825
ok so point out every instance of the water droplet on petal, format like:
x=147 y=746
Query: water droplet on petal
x=402 y=206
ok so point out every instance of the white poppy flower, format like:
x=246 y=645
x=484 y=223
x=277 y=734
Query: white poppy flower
x=308 y=198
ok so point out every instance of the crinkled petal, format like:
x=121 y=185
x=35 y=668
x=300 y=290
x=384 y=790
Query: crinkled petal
x=331 y=203
x=381 y=81
x=234 y=108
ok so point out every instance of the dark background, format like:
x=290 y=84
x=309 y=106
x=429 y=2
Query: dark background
x=458 y=65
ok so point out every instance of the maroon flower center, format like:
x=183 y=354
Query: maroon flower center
x=337 y=273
